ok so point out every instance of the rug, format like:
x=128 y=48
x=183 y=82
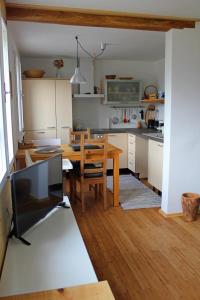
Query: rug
x=134 y=194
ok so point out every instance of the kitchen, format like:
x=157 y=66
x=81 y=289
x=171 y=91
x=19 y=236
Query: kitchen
x=120 y=120
x=137 y=250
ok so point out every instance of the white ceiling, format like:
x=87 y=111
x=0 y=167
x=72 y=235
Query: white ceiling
x=179 y=8
x=35 y=39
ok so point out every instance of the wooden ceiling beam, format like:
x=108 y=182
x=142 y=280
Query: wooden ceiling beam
x=3 y=9
x=80 y=17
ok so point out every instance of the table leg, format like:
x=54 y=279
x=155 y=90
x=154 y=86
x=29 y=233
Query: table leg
x=116 y=180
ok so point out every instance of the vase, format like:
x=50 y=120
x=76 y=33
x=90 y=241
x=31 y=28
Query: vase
x=190 y=205
x=58 y=73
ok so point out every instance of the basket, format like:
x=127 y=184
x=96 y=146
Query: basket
x=34 y=73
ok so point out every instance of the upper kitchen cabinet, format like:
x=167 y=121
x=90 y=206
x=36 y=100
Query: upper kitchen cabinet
x=47 y=106
x=128 y=92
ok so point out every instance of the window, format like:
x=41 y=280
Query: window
x=7 y=92
x=19 y=94
x=2 y=137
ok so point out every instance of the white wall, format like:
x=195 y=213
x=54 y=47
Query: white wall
x=182 y=146
x=90 y=112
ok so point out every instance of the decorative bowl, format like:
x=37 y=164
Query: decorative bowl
x=34 y=73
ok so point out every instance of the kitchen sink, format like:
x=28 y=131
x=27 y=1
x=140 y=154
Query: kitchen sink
x=157 y=135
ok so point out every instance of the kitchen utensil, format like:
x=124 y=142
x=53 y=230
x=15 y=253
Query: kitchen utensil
x=110 y=76
x=34 y=73
x=122 y=116
x=125 y=78
x=142 y=114
x=115 y=120
x=125 y=119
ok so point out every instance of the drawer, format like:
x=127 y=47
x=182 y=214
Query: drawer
x=131 y=139
x=39 y=134
x=131 y=152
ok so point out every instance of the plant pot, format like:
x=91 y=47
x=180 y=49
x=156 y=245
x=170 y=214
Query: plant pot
x=190 y=205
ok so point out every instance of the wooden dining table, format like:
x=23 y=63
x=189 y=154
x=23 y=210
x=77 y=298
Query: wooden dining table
x=68 y=152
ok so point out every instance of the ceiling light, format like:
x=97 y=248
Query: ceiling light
x=77 y=78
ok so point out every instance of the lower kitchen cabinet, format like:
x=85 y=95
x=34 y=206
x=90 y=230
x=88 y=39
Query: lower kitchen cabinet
x=39 y=134
x=155 y=164
x=64 y=134
x=120 y=140
x=138 y=155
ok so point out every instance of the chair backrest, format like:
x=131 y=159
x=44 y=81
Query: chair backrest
x=47 y=142
x=96 y=156
x=28 y=159
x=75 y=136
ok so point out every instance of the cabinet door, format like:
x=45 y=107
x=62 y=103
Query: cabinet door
x=39 y=104
x=122 y=91
x=155 y=164
x=39 y=134
x=141 y=157
x=63 y=110
x=120 y=140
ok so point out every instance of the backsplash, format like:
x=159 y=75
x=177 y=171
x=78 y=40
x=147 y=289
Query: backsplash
x=93 y=114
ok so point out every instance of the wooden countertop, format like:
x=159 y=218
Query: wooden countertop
x=95 y=291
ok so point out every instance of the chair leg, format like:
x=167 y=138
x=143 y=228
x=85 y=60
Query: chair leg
x=96 y=191
x=105 y=195
x=71 y=186
x=82 y=197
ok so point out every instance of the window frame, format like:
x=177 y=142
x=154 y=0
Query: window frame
x=4 y=147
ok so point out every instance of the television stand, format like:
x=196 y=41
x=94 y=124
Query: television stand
x=19 y=238
x=53 y=261
x=63 y=204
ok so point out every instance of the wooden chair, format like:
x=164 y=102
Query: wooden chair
x=92 y=169
x=75 y=136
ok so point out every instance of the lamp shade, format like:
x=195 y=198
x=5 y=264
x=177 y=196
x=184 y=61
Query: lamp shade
x=77 y=78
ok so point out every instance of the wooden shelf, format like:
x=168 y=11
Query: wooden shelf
x=162 y=101
x=88 y=96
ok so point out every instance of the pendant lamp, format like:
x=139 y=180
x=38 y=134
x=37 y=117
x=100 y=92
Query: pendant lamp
x=77 y=78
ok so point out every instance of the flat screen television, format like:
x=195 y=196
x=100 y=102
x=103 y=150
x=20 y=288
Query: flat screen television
x=36 y=190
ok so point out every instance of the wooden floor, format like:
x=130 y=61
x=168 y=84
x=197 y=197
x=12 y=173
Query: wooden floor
x=140 y=253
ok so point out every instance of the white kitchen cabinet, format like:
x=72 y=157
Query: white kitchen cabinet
x=155 y=164
x=39 y=134
x=120 y=140
x=47 y=106
x=39 y=104
x=138 y=155
x=123 y=91
x=63 y=110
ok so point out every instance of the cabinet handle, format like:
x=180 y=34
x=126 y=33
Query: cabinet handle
x=41 y=132
x=111 y=135
x=65 y=127
x=161 y=146
x=51 y=127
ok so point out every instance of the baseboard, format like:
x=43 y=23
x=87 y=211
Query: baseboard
x=171 y=215
x=121 y=171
